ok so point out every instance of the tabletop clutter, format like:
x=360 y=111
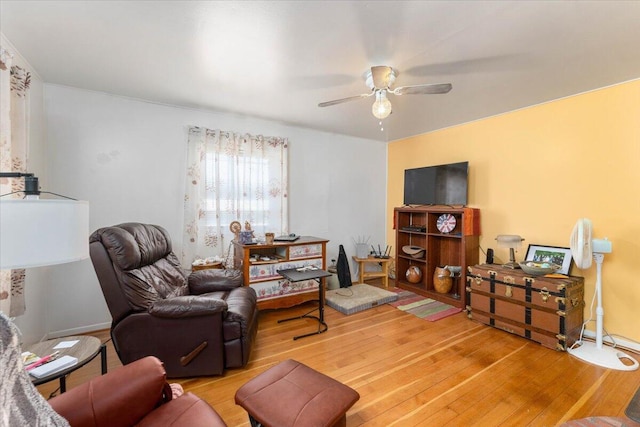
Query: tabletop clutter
x=362 y=249
x=42 y=366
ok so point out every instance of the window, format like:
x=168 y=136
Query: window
x=232 y=177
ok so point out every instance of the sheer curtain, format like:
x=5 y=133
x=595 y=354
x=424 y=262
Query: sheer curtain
x=14 y=146
x=232 y=177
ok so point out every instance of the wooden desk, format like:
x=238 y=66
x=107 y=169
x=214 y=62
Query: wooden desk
x=364 y=275
x=260 y=264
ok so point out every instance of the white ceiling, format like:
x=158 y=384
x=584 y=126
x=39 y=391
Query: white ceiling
x=278 y=60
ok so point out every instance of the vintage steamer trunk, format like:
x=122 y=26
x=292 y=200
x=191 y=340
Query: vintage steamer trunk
x=545 y=310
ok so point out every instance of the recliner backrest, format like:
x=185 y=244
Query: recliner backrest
x=140 y=264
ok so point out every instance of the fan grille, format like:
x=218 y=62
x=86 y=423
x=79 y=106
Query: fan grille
x=581 y=243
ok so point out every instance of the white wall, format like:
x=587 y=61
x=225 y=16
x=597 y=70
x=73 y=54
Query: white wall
x=126 y=157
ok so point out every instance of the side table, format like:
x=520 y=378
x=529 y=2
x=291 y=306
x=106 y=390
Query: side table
x=85 y=350
x=209 y=266
x=363 y=275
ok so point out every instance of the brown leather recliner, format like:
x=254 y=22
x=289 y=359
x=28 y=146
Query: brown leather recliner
x=135 y=394
x=197 y=324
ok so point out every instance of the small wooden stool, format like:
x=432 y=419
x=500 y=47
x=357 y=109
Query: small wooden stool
x=364 y=275
x=292 y=394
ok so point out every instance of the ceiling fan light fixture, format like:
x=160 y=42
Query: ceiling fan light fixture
x=381 y=108
x=379 y=79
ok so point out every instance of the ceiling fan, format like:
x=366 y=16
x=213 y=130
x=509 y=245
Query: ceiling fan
x=379 y=79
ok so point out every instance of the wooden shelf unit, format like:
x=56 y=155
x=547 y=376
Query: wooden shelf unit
x=460 y=247
x=273 y=290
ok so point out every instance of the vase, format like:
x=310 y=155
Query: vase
x=413 y=274
x=442 y=281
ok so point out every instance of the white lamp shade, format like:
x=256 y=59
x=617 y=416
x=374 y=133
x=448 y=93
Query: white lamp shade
x=509 y=241
x=35 y=232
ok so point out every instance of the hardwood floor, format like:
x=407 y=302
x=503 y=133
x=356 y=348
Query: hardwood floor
x=411 y=372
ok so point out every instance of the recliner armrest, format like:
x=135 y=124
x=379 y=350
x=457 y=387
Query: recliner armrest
x=214 y=280
x=187 y=306
x=186 y=410
x=119 y=398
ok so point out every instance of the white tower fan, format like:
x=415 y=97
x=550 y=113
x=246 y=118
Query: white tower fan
x=583 y=250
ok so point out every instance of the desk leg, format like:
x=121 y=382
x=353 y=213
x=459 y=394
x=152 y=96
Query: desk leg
x=322 y=326
x=321 y=302
x=385 y=271
x=103 y=358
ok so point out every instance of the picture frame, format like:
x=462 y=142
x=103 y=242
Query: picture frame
x=555 y=254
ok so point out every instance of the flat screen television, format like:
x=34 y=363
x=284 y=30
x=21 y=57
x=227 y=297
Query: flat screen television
x=437 y=185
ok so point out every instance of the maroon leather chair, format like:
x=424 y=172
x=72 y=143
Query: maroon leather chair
x=197 y=324
x=135 y=394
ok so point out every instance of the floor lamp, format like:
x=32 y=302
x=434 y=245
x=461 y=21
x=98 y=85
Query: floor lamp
x=34 y=233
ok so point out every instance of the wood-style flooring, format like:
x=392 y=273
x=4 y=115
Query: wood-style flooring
x=411 y=372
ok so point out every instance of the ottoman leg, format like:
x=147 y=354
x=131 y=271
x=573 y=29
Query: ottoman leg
x=254 y=422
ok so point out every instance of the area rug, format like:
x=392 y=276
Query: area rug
x=597 y=422
x=358 y=298
x=422 y=307
x=633 y=410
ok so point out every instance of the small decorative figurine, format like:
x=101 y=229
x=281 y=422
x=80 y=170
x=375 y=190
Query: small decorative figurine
x=235 y=228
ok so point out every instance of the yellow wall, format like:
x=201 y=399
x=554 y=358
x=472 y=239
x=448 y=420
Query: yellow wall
x=535 y=171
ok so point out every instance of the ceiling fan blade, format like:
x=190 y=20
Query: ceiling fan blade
x=340 y=101
x=381 y=75
x=467 y=66
x=429 y=89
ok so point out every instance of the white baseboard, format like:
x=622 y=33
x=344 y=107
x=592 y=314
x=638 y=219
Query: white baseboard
x=78 y=331
x=620 y=341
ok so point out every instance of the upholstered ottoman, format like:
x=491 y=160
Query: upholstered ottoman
x=292 y=394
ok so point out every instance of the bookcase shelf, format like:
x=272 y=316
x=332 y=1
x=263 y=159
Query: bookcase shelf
x=460 y=247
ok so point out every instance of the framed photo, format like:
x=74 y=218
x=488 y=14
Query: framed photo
x=554 y=254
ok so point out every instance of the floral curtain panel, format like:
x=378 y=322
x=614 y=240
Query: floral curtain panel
x=232 y=177
x=14 y=146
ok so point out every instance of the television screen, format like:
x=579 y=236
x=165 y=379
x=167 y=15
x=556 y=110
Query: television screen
x=436 y=185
